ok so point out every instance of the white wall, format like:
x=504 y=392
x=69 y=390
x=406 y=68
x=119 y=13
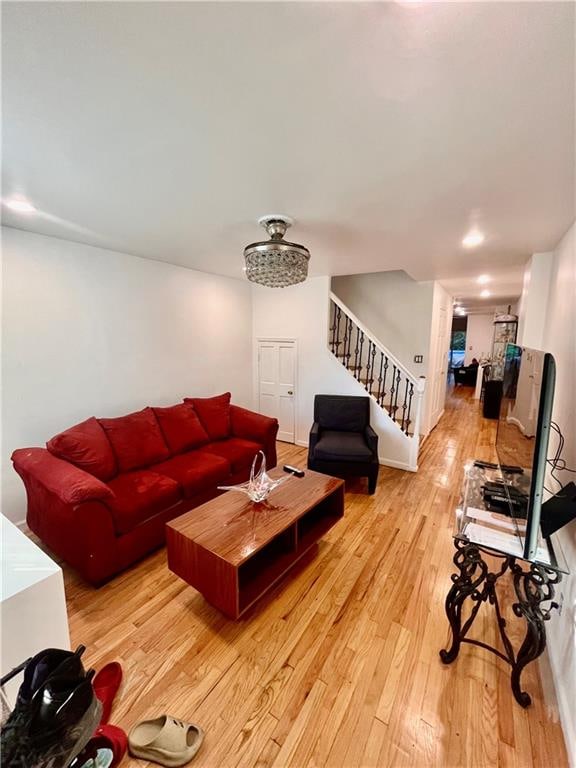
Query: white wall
x=557 y=332
x=396 y=309
x=479 y=337
x=439 y=324
x=301 y=312
x=93 y=332
x=533 y=304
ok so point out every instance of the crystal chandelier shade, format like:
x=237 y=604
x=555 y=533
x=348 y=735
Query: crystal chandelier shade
x=276 y=263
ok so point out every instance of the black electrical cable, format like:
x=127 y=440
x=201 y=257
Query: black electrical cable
x=561 y=463
x=557 y=463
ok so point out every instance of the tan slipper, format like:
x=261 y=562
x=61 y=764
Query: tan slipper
x=165 y=740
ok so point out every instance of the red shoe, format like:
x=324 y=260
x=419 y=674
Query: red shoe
x=106 y=684
x=106 y=749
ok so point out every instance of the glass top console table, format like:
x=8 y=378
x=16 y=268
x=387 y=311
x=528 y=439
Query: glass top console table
x=489 y=546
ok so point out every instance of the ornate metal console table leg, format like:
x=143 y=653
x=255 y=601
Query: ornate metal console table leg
x=476 y=583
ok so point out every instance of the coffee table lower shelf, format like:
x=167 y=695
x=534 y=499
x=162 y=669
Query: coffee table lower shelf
x=234 y=587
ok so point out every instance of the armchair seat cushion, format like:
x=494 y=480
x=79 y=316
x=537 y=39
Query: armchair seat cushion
x=140 y=495
x=195 y=471
x=335 y=445
x=237 y=451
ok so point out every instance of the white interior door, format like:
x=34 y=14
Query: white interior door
x=277 y=384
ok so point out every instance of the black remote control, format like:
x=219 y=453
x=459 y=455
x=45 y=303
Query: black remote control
x=511 y=469
x=485 y=465
x=293 y=470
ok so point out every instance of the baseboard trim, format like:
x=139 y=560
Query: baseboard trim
x=565 y=709
x=396 y=464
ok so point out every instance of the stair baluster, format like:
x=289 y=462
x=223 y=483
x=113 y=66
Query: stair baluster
x=410 y=396
x=350 y=331
x=398 y=378
x=332 y=329
x=338 y=316
x=361 y=365
x=386 y=365
x=379 y=390
x=373 y=354
x=345 y=340
x=392 y=391
x=404 y=406
x=366 y=381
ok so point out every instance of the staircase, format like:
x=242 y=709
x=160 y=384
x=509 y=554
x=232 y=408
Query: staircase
x=395 y=390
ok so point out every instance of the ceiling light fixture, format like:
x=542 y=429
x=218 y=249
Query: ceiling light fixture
x=276 y=263
x=19 y=205
x=483 y=279
x=485 y=293
x=473 y=239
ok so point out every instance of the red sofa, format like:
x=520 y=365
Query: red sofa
x=101 y=492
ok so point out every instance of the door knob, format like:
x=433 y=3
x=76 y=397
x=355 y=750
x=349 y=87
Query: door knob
x=290 y=392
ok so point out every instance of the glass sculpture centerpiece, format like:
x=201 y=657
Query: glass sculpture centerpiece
x=260 y=483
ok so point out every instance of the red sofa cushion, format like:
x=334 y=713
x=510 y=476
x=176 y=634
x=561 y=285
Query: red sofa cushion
x=140 y=495
x=196 y=471
x=86 y=446
x=214 y=413
x=181 y=427
x=136 y=439
x=239 y=452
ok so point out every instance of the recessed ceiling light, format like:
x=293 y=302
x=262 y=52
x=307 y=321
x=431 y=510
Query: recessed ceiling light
x=19 y=205
x=483 y=279
x=460 y=311
x=473 y=239
x=485 y=293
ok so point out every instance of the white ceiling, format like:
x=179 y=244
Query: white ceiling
x=504 y=286
x=386 y=129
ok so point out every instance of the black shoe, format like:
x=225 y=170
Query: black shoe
x=45 y=665
x=63 y=716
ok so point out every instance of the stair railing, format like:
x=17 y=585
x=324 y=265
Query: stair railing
x=398 y=392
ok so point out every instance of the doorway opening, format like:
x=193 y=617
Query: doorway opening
x=458 y=341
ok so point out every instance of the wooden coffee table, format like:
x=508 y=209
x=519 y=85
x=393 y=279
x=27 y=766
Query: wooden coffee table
x=233 y=551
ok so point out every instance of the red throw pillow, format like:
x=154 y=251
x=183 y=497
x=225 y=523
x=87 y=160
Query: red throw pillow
x=214 y=413
x=181 y=427
x=86 y=446
x=136 y=439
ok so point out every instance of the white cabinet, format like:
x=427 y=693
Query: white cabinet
x=33 y=605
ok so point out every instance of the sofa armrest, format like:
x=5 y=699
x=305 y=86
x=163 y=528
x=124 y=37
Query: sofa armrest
x=255 y=426
x=69 y=483
x=314 y=437
x=372 y=440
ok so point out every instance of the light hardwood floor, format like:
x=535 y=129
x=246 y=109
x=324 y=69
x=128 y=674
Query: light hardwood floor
x=338 y=665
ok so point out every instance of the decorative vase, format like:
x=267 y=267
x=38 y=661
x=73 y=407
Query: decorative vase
x=259 y=485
